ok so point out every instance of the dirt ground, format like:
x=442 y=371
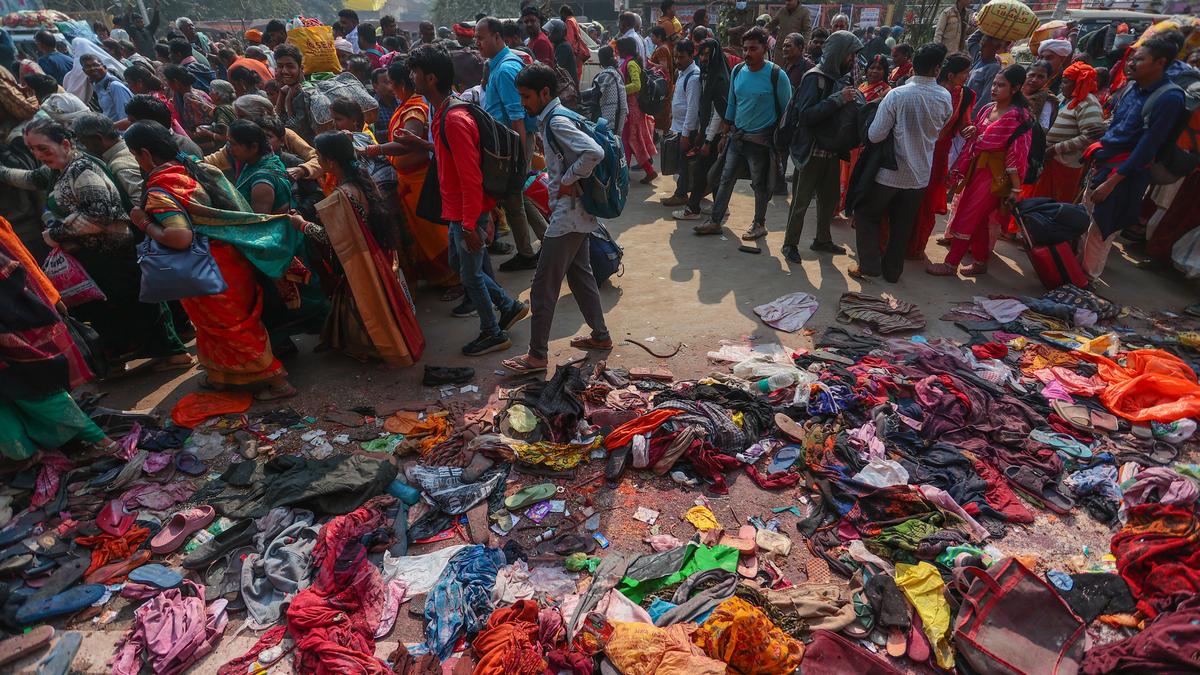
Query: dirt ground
x=676 y=288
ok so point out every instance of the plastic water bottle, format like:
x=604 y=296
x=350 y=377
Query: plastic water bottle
x=780 y=380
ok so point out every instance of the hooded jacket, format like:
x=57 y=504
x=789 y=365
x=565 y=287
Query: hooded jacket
x=817 y=99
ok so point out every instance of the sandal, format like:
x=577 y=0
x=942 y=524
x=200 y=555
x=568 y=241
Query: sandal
x=975 y=269
x=941 y=270
x=592 y=344
x=520 y=365
x=857 y=273
x=275 y=393
x=208 y=385
x=1075 y=415
x=1038 y=487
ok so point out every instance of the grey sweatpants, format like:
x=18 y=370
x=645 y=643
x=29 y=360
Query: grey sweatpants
x=567 y=256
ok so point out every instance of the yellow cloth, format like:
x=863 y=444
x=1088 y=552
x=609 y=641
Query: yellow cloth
x=923 y=587
x=557 y=456
x=742 y=636
x=702 y=518
x=645 y=649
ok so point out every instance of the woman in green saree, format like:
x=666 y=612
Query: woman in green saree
x=262 y=180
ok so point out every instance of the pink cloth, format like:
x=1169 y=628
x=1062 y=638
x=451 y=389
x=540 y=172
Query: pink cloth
x=54 y=466
x=638 y=133
x=1170 y=487
x=397 y=593
x=1071 y=381
x=996 y=136
x=157 y=497
x=170 y=632
x=1055 y=391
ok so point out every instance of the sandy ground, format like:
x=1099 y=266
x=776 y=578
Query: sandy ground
x=676 y=288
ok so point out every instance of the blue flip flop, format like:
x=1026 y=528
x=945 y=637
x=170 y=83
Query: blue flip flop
x=67 y=602
x=784 y=458
x=58 y=661
x=156 y=575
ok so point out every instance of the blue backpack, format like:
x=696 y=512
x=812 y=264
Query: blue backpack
x=605 y=191
x=605 y=255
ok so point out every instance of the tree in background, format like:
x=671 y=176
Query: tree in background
x=205 y=10
x=447 y=12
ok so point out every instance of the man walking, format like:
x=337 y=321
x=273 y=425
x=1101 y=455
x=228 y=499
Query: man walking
x=951 y=29
x=914 y=115
x=537 y=42
x=759 y=92
x=793 y=17
x=501 y=100
x=1120 y=177
x=565 y=249
x=464 y=204
x=823 y=93
x=685 y=116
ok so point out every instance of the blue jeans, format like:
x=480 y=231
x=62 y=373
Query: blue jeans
x=481 y=289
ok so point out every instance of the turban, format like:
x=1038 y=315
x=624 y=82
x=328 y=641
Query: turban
x=463 y=30
x=1056 y=47
x=1084 y=77
x=254 y=36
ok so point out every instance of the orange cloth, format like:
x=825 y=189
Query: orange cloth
x=430 y=241
x=13 y=244
x=108 y=548
x=645 y=649
x=432 y=431
x=199 y=406
x=257 y=66
x=638 y=425
x=1152 y=385
x=509 y=644
x=1084 y=77
x=741 y=635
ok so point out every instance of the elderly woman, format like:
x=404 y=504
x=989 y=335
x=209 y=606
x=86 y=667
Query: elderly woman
x=256 y=107
x=1079 y=123
x=87 y=218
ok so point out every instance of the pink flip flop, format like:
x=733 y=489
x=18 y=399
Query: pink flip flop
x=181 y=526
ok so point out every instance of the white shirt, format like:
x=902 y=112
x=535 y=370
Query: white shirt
x=579 y=159
x=641 y=44
x=685 y=102
x=915 y=113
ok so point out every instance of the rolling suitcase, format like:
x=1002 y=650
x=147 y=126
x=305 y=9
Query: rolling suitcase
x=1055 y=265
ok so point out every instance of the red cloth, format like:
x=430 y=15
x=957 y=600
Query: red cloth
x=999 y=495
x=542 y=49
x=239 y=666
x=1158 y=555
x=623 y=434
x=459 y=176
x=779 y=479
x=108 y=548
x=509 y=644
x=710 y=464
x=54 y=466
x=990 y=350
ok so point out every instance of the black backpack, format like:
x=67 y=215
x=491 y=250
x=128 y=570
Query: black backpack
x=653 y=93
x=1172 y=162
x=1037 y=148
x=501 y=153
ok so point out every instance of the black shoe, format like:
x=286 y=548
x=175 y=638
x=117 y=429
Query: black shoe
x=791 y=254
x=464 y=309
x=615 y=466
x=486 y=344
x=205 y=554
x=436 y=376
x=827 y=247
x=499 y=247
x=519 y=262
x=510 y=318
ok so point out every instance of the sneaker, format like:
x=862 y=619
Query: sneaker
x=464 y=309
x=756 y=231
x=518 y=311
x=708 y=227
x=500 y=248
x=486 y=344
x=706 y=206
x=673 y=200
x=519 y=262
x=791 y=254
x=827 y=247
x=685 y=214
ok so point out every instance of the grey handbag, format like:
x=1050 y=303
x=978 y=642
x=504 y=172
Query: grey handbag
x=170 y=274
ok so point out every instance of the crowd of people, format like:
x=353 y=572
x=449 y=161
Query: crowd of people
x=314 y=212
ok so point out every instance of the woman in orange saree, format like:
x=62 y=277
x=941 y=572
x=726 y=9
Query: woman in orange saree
x=427 y=257
x=182 y=199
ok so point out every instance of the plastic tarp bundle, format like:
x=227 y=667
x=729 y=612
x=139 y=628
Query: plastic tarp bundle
x=1151 y=385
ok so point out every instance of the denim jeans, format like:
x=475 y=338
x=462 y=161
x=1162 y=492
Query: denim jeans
x=758 y=157
x=481 y=289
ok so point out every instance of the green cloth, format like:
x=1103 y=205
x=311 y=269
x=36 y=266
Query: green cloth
x=899 y=541
x=27 y=425
x=268 y=169
x=698 y=559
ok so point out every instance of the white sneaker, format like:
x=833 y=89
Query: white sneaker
x=685 y=214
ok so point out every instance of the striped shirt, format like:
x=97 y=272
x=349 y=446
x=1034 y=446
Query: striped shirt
x=1074 y=130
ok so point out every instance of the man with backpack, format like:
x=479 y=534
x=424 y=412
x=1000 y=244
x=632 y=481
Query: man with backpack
x=759 y=92
x=501 y=101
x=1146 y=119
x=824 y=101
x=913 y=115
x=685 y=116
x=456 y=148
x=571 y=156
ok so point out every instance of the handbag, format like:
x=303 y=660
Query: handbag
x=1012 y=622
x=171 y=274
x=429 y=203
x=671 y=155
x=87 y=340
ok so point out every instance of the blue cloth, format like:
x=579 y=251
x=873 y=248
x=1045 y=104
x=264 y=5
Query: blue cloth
x=980 y=82
x=752 y=104
x=112 y=94
x=501 y=99
x=660 y=607
x=481 y=289
x=1101 y=480
x=1127 y=130
x=56 y=65
x=461 y=602
x=386 y=110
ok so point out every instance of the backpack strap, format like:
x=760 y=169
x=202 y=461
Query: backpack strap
x=1152 y=99
x=451 y=102
x=775 y=69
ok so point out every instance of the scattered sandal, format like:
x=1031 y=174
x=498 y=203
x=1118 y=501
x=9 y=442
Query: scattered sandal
x=591 y=344
x=275 y=393
x=520 y=365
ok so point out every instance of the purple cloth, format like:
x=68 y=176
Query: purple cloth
x=1167 y=484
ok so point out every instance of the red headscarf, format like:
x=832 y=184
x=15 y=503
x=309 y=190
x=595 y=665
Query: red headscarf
x=463 y=30
x=1084 y=77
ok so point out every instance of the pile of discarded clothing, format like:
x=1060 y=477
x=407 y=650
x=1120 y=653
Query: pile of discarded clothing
x=485 y=540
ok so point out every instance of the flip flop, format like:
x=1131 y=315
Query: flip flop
x=20 y=527
x=897 y=643
x=115 y=519
x=155 y=575
x=784 y=458
x=19 y=647
x=744 y=544
x=529 y=495
x=58 y=661
x=1036 y=485
x=189 y=464
x=1163 y=453
x=570 y=543
x=748 y=566
x=1104 y=421
x=67 y=602
x=15 y=564
x=918 y=645
x=67 y=574
x=1063 y=443
x=790 y=427
x=117 y=571
x=520 y=365
x=1075 y=415
x=240 y=534
x=181 y=526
